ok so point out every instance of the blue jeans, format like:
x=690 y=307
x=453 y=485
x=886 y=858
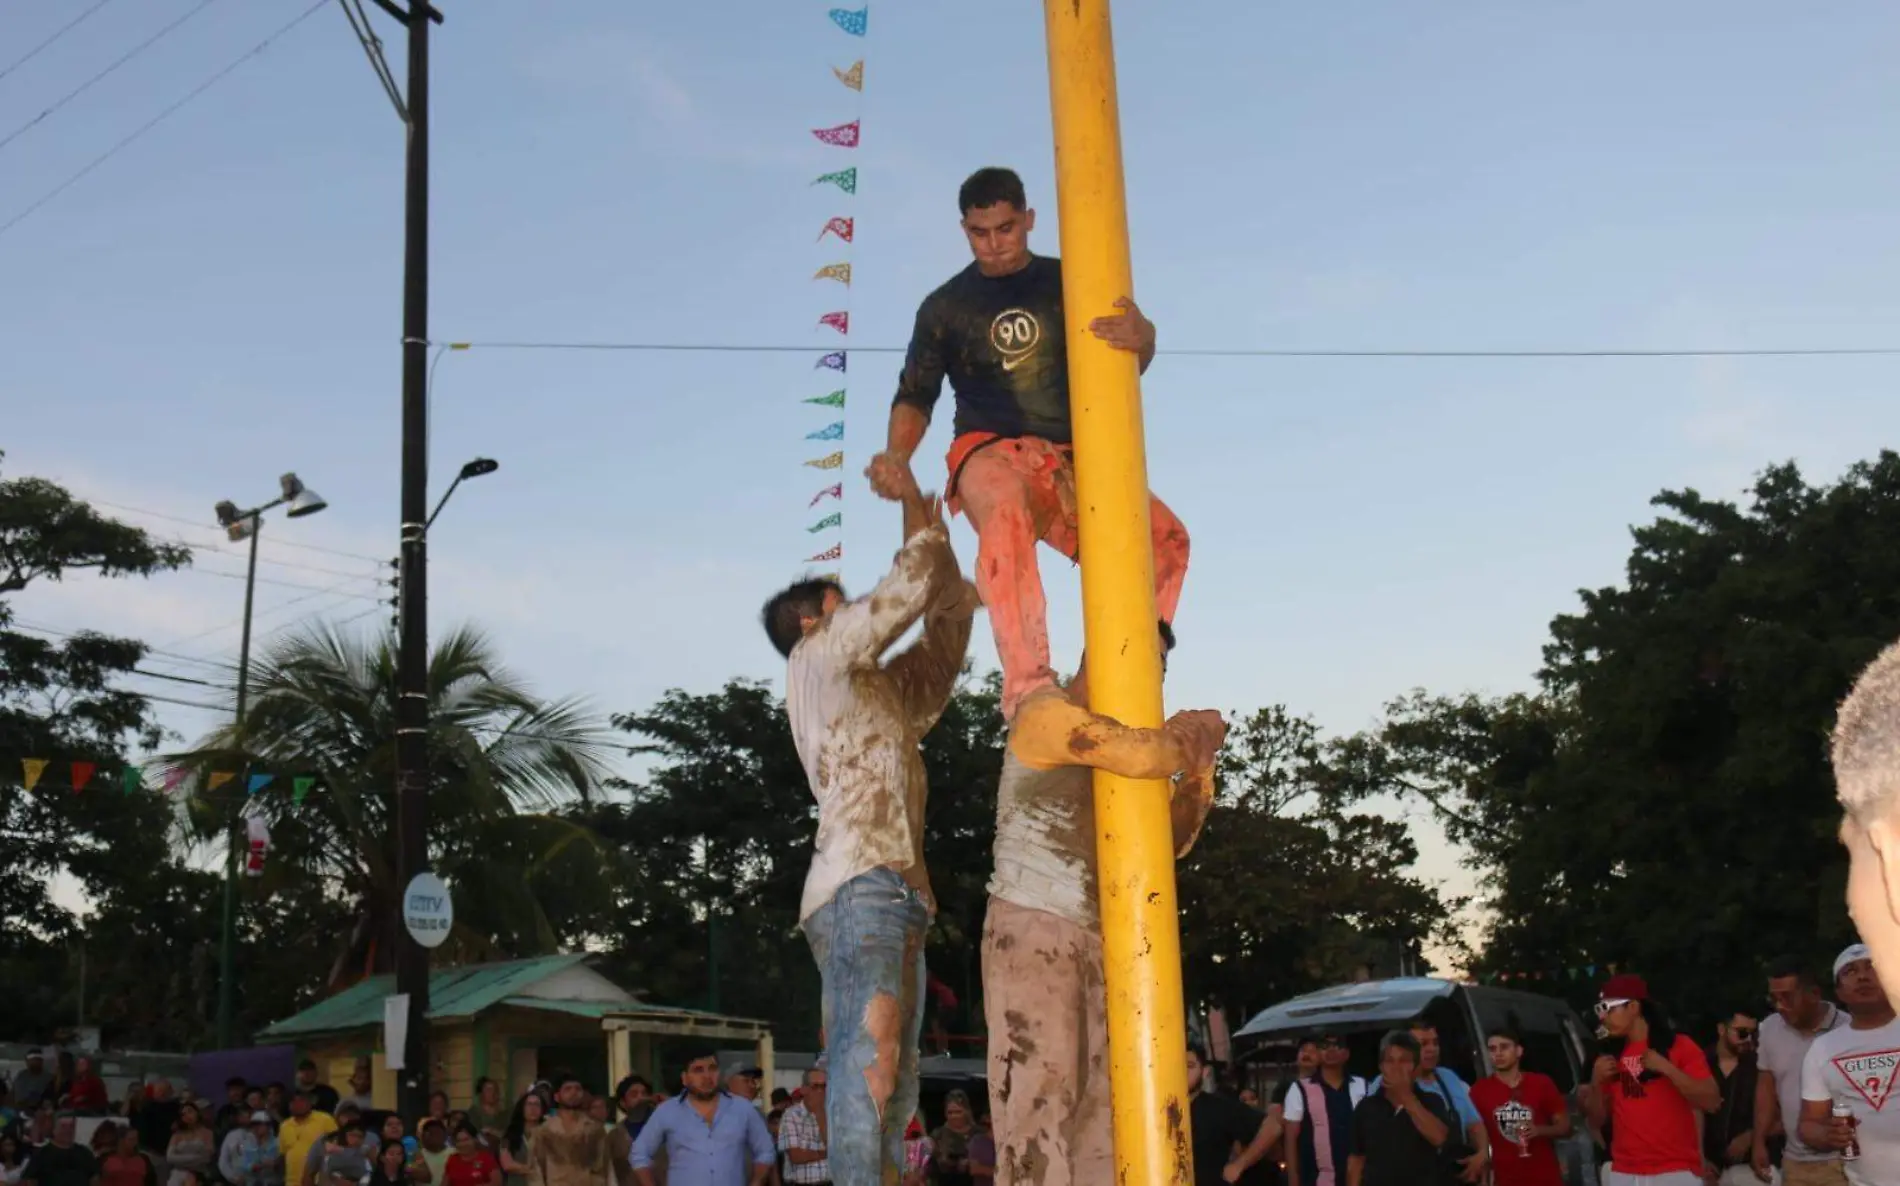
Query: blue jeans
x=869 y=944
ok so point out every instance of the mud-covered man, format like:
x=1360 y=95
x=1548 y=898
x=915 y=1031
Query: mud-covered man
x=996 y=332
x=1042 y=943
x=857 y=722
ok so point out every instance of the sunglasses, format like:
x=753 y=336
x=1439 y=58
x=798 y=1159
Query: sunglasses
x=1605 y=1008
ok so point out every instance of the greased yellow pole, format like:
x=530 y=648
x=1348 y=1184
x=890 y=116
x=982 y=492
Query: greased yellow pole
x=1141 y=939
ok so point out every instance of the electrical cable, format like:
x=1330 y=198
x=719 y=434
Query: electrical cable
x=64 y=29
x=1218 y=352
x=267 y=541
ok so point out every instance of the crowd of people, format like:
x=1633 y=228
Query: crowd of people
x=719 y=1129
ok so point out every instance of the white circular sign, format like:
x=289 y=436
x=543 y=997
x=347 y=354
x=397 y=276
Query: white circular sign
x=427 y=910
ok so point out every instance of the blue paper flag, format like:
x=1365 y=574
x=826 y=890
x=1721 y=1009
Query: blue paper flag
x=830 y=432
x=852 y=22
x=260 y=781
x=832 y=362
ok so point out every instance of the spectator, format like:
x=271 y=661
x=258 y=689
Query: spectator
x=708 y=1137
x=63 y=1072
x=123 y=1164
x=471 y=1164
x=1469 y=1144
x=950 y=1143
x=391 y=1166
x=983 y=1151
x=1801 y=1016
x=1228 y=1137
x=323 y=1097
x=40 y=1133
x=277 y=1101
x=1524 y=1115
x=345 y=1162
x=362 y=1088
x=1728 y=1136
x=630 y=1096
x=1318 y=1118
x=518 y=1138
x=432 y=1159
x=1650 y=1092
x=61 y=1161
x=105 y=1139
x=488 y=1113
x=155 y=1115
x=1398 y=1131
x=86 y=1094
x=571 y=1147
x=1854 y=1068
x=917 y=1151
x=232 y=1115
x=300 y=1133
x=249 y=1155
x=745 y=1081
x=30 y=1086
x=191 y=1149
x=802 y=1133
x=12 y=1160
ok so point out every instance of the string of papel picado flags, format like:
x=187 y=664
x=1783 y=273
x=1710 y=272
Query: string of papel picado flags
x=843 y=183
x=132 y=778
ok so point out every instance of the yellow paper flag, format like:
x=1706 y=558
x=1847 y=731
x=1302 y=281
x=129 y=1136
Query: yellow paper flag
x=839 y=272
x=829 y=461
x=854 y=77
x=33 y=768
x=219 y=778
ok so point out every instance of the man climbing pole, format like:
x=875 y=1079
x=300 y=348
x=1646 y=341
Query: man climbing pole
x=996 y=331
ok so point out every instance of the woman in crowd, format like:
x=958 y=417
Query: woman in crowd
x=916 y=1154
x=134 y=1096
x=87 y=1095
x=125 y=1165
x=471 y=1164
x=488 y=1113
x=105 y=1139
x=12 y=1161
x=191 y=1150
x=392 y=1165
x=529 y=1112
x=950 y=1145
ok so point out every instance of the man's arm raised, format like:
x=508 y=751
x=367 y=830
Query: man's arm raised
x=919 y=386
x=1053 y=730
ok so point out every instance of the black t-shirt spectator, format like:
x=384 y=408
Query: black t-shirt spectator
x=1220 y=1122
x=1396 y=1153
x=323 y=1098
x=54 y=1165
x=155 y=1122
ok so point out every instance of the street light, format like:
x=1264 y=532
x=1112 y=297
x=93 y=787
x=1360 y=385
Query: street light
x=477 y=468
x=298 y=500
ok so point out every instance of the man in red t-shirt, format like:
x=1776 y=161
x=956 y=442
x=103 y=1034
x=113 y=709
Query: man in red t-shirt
x=1650 y=1092
x=1525 y=1114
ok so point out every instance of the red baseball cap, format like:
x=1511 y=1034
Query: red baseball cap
x=1627 y=987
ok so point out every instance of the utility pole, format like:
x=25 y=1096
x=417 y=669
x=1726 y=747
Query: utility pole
x=412 y=658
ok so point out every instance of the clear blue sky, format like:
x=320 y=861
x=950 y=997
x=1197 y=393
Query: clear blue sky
x=220 y=302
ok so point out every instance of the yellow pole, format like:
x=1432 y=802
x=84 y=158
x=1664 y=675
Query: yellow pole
x=1141 y=940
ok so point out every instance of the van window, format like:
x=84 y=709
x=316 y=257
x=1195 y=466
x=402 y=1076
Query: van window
x=1544 y=1026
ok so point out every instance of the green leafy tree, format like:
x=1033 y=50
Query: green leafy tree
x=502 y=760
x=1664 y=802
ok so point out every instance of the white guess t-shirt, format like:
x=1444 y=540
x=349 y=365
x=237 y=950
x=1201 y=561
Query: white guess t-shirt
x=1862 y=1067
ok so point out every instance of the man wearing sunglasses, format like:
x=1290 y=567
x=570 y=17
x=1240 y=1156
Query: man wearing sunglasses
x=1727 y=1136
x=1318 y=1117
x=1649 y=1091
x=1801 y=1015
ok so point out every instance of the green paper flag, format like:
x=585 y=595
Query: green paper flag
x=301 y=787
x=844 y=179
x=835 y=519
x=834 y=400
x=134 y=779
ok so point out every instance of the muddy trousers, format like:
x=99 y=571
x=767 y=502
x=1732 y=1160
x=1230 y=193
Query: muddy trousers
x=1048 y=1049
x=868 y=941
x=1013 y=493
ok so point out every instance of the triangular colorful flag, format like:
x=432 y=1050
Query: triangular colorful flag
x=829 y=461
x=844 y=179
x=828 y=492
x=830 y=432
x=839 y=272
x=854 y=22
x=82 y=774
x=299 y=787
x=844 y=228
x=840 y=321
x=133 y=778
x=835 y=519
x=1589 y=969
x=834 y=552
x=259 y=782
x=219 y=778
x=173 y=777
x=834 y=400
x=31 y=769
x=835 y=361
x=842 y=136
x=854 y=77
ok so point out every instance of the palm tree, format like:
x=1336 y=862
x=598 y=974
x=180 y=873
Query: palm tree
x=323 y=705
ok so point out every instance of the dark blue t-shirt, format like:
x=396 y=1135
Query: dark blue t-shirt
x=1000 y=341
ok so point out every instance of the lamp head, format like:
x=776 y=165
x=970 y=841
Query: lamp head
x=299 y=499
x=479 y=467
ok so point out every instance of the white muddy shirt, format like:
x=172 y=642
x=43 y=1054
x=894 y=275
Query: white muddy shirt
x=857 y=723
x=1045 y=841
x=1859 y=1067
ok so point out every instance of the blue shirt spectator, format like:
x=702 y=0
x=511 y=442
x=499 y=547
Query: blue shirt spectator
x=697 y=1154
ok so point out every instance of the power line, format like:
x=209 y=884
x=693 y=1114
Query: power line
x=160 y=118
x=34 y=628
x=265 y=613
x=267 y=540
x=332 y=572
x=1216 y=352
x=238 y=576
x=182 y=679
x=87 y=85
x=186 y=703
x=64 y=29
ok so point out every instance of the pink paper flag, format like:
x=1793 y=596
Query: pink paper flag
x=844 y=228
x=843 y=136
x=838 y=321
x=171 y=780
x=828 y=492
x=834 y=552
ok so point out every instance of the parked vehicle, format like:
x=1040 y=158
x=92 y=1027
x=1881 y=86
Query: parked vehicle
x=1556 y=1042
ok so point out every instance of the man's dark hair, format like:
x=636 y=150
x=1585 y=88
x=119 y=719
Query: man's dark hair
x=429 y=1122
x=1400 y=1040
x=1782 y=967
x=625 y=1085
x=1508 y=1035
x=1167 y=637
x=986 y=187
x=564 y=1078
x=1197 y=1050
x=701 y=1055
x=784 y=616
